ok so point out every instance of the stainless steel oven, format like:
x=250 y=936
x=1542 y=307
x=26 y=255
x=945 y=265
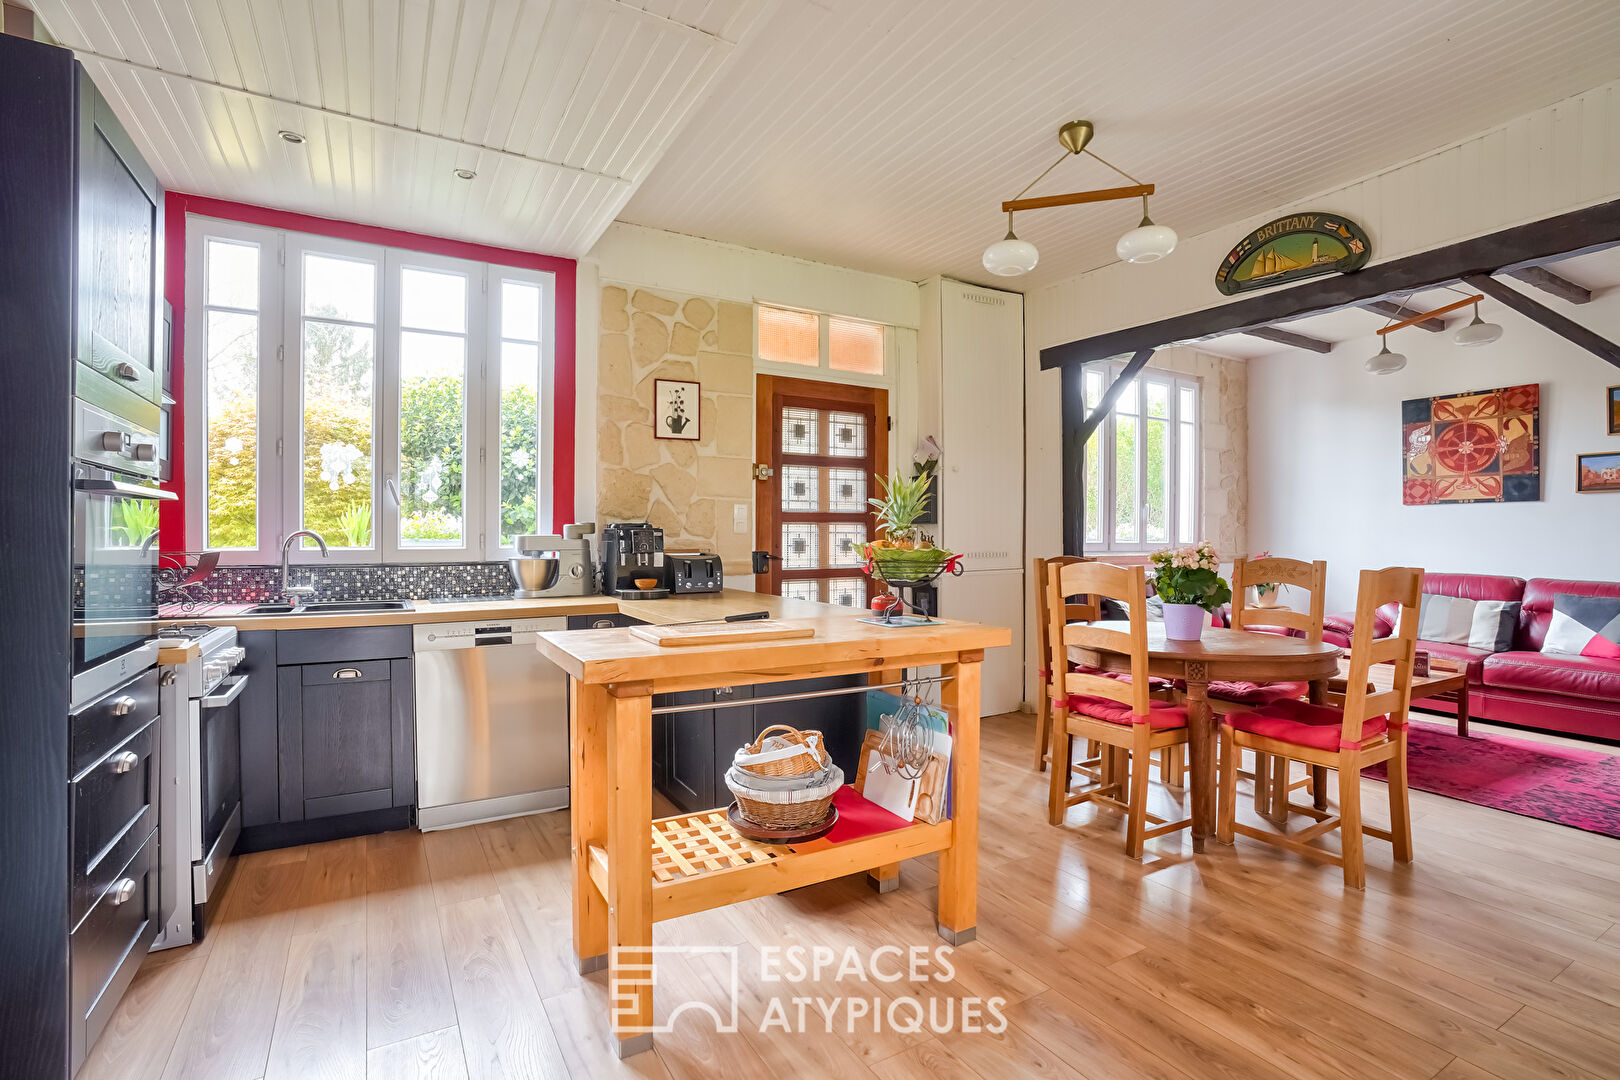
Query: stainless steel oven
x=115 y=513
x=201 y=737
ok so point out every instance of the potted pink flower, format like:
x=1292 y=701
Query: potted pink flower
x=1190 y=585
x=1266 y=593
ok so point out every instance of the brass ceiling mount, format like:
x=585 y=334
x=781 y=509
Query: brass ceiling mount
x=1075 y=135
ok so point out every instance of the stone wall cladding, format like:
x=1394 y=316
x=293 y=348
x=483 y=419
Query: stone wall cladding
x=686 y=488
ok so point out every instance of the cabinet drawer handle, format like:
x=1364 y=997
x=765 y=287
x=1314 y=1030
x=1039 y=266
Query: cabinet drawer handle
x=347 y=673
x=122 y=763
x=126 y=371
x=123 y=706
x=121 y=892
x=602 y=624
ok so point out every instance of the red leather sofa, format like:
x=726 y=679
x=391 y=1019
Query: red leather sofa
x=1577 y=695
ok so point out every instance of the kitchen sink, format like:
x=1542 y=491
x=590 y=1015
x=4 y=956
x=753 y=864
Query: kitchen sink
x=329 y=607
x=336 y=606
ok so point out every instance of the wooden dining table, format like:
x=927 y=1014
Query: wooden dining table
x=1218 y=656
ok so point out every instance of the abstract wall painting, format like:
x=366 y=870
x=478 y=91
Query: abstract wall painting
x=1479 y=446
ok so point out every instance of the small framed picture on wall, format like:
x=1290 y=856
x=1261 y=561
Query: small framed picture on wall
x=1598 y=472
x=1611 y=407
x=677 y=409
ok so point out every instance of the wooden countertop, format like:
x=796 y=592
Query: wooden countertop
x=617 y=656
x=673 y=609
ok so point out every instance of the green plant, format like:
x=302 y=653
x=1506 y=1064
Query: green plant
x=904 y=501
x=355 y=524
x=1190 y=576
x=137 y=519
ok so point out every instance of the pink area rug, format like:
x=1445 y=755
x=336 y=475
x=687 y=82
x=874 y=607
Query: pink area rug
x=1561 y=784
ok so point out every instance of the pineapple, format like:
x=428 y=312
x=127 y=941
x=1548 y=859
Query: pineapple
x=903 y=502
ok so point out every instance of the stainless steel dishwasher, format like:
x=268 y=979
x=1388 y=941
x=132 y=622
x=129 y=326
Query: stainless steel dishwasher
x=491 y=722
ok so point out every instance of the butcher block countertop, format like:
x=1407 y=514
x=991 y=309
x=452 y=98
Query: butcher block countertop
x=618 y=656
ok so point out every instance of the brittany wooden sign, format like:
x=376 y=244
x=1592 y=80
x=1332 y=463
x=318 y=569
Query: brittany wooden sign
x=1292 y=248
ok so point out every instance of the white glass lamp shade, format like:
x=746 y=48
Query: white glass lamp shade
x=1386 y=362
x=1010 y=257
x=1146 y=243
x=1478 y=332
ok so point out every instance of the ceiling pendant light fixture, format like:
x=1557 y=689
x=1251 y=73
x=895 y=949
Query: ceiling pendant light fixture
x=1010 y=256
x=1385 y=362
x=1478 y=332
x=1145 y=243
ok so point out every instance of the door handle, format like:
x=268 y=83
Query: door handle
x=347 y=673
x=122 y=763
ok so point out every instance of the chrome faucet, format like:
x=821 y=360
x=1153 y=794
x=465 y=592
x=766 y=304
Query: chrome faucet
x=293 y=592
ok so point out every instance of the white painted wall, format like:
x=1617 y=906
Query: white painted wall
x=1325 y=465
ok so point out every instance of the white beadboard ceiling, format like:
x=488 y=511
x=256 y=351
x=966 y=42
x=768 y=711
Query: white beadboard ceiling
x=884 y=135
x=560 y=106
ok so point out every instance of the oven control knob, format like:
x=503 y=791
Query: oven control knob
x=114 y=440
x=144 y=451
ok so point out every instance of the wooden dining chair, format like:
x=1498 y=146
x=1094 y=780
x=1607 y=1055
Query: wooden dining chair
x=1122 y=716
x=1271 y=775
x=1368 y=728
x=1171 y=760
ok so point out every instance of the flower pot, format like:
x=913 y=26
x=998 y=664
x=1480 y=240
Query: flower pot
x=1267 y=598
x=1184 y=622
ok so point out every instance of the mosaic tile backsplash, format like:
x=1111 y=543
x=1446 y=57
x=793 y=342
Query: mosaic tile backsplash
x=365 y=581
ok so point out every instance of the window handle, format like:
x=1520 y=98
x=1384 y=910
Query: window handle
x=393 y=490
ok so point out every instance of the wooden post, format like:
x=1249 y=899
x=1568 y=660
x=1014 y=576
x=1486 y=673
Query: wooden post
x=629 y=854
x=959 y=863
x=590 y=707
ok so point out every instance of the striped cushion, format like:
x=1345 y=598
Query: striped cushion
x=1486 y=625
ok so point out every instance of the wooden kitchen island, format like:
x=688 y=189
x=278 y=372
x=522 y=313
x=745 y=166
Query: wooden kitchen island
x=630 y=870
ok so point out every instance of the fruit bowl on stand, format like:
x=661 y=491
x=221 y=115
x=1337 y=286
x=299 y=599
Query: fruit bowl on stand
x=906 y=570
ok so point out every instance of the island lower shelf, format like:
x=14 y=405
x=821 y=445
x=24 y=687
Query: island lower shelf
x=699 y=861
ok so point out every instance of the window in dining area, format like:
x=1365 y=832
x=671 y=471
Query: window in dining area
x=1141 y=464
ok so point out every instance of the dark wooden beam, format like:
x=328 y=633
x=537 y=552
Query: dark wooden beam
x=1288 y=337
x=1547 y=281
x=1579 y=231
x=1397 y=311
x=1077 y=428
x=1564 y=327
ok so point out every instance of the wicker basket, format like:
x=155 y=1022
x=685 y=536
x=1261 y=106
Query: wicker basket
x=781 y=805
x=796 y=753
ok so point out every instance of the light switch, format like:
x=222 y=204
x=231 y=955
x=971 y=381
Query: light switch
x=739 y=517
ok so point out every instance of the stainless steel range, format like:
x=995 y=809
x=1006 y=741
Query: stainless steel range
x=201 y=808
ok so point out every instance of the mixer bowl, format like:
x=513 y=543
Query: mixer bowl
x=534 y=574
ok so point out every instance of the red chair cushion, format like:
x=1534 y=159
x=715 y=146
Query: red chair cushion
x=1161 y=714
x=1554 y=673
x=1155 y=683
x=1303 y=724
x=1248 y=693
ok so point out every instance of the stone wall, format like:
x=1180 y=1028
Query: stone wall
x=1225 y=417
x=687 y=488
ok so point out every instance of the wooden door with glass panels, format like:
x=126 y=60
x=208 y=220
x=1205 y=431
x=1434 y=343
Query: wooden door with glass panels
x=822 y=442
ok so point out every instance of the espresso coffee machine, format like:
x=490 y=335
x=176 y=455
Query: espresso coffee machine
x=633 y=566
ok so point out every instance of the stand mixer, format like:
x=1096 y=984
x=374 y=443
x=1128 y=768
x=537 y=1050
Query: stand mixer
x=555 y=565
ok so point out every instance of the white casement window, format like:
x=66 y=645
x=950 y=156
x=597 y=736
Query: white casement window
x=811 y=345
x=1142 y=463
x=396 y=403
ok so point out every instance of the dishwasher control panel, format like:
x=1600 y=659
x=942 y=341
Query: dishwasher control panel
x=493 y=632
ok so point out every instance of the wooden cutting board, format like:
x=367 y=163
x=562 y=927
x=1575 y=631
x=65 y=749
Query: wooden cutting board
x=720 y=632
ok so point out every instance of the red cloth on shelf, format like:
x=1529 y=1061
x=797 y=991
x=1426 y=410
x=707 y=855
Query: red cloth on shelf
x=858 y=817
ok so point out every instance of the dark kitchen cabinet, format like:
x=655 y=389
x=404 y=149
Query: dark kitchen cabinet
x=347 y=737
x=261 y=773
x=119 y=302
x=693 y=748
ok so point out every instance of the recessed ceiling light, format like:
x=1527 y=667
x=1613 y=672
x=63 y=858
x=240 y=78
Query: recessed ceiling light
x=465 y=174
x=290 y=136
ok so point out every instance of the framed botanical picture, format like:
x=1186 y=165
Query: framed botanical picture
x=1611 y=404
x=677 y=408
x=1597 y=472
